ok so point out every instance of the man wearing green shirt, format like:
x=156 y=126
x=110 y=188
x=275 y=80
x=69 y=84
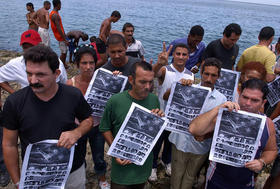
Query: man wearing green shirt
x=124 y=174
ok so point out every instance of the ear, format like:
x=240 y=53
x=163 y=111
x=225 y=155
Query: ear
x=130 y=79
x=57 y=73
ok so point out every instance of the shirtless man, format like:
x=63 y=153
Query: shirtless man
x=106 y=25
x=30 y=17
x=42 y=16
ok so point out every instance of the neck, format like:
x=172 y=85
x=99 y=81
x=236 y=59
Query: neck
x=264 y=43
x=55 y=9
x=121 y=64
x=128 y=41
x=179 y=68
x=48 y=94
x=85 y=77
x=133 y=95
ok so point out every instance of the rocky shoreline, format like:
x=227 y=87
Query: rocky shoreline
x=92 y=183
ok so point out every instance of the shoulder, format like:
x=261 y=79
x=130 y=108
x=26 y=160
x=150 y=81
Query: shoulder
x=70 y=90
x=201 y=45
x=118 y=98
x=270 y=125
x=219 y=96
x=15 y=63
x=132 y=60
x=180 y=40
x=19 y=95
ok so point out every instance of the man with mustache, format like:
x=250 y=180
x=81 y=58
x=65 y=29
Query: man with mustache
x=134 y=47
x=45 y=110
x=188 y=154
x=252 y=98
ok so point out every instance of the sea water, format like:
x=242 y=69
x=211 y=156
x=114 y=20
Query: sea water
x=155 y=21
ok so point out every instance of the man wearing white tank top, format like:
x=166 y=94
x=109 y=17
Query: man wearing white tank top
x=168 y=74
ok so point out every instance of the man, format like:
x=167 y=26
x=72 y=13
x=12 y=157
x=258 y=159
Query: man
x=134 y=47
x=42 y=15
x=225 y=49
x=196 y=47
x=261 y=53
x=15 y=69
x=125 y=174
x=58 y=31
x=188 y=154
x=74 y=37
x=167 y=75
x=106 y=25
x=251 y=99
x=119 y=61
x=45 y=110
x=32 y=24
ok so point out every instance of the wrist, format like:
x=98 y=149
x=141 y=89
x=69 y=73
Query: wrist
x=262 y=161
x=16 y=184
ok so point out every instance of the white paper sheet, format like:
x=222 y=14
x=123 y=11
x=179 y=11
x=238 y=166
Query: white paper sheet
x=101 y=87
x=273 y=95
x=276 y=122
x=236 y=137
x=46 y=166
x=137 y=135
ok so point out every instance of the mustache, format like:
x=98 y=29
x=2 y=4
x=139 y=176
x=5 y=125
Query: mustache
x=36 y=85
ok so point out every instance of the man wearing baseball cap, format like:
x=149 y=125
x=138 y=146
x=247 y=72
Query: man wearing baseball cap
x=14 y=70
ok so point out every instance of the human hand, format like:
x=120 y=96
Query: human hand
x=186 y=82
x=194 y=69
x=158 y=112
x=123 y=161
x=68 y=138
x=163 y=56
x=67 y=42
x=116 y=72
x=256 y=165
x=230 y=106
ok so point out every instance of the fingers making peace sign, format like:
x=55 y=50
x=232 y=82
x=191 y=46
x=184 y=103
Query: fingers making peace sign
x=163 y=56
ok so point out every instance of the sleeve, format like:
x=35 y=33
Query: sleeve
x=10 y=116
x=201 y=53
x=83 y=110
x=269 y=63
x=62 y=78
x=240 y=63
x=141 y=49
x=8 y=72
x=101 y=47
x=106 y=120
x=208 y=51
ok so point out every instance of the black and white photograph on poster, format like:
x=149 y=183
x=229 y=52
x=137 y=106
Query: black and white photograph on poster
x=227 y=83
x=236 y=137
x=45 y=165
x=273 y=95
x=137 y=135
x=184 y=104
x=276 y=122
x=101 y=87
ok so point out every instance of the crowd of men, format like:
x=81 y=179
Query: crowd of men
x=46 y=107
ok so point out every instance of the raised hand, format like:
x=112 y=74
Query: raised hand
x=163 y=56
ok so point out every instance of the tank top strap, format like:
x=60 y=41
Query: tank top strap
x=73 y=81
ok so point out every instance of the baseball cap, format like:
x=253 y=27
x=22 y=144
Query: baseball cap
x=30 y=36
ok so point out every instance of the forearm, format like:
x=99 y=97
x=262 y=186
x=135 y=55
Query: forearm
x=6 y=86
x=156 y=67
x=85 y=126
x=11 y=158
x=270 y=77
x=268 y=156
x=108 y=137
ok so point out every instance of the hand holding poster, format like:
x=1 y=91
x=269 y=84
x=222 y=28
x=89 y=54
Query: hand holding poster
x=101 y=87
x=184 y=104
x=227 y=83
x=137 y=135
x=276 y=122
x=236 y=137
x=45 y=165
x=273 y=95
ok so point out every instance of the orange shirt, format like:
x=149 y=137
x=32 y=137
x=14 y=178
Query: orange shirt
x=54 y=28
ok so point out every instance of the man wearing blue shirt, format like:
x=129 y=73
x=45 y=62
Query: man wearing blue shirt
x=193 y=41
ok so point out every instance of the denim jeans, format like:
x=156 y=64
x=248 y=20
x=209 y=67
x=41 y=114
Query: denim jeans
x=97 y=141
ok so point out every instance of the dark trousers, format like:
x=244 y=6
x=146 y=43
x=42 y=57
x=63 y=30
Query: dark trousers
x=166 y=154
x=2 y=164
x=134 y=186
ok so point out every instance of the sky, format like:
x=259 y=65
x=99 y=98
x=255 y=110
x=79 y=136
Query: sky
x=268 y=2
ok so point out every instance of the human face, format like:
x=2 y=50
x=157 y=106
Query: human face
x=117 y=54
x=193 y=41
x=26 y=46
x=251 y=100
x=251 y=74
x=115 y=19
x=28 y=8
x=87 y=65
x=180 y=56
x=128 y=33
x=209 y=76
x=228 y=42
x=40 y=77
x=47 y=6
x=141 y=84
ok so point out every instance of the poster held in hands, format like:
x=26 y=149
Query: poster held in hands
x=236 y=137
x=184 y=104
x=273 y=95
x=101 y=87
x=276 y=122
x=227 y=84
x=45 y=165
x=137 y=135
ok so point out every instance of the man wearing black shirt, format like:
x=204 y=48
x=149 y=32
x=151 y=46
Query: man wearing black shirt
x=225 y=49
x=44 y=110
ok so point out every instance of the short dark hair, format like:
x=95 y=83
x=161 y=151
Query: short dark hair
x=212 y=62
x=116 y=39
x=56 y=3
x=197 y=30
x=92 y=39
x=30 y=5
x=47 y=3
x=232 y=28
x=116 y=14
x=84 y=49
x=182 y=45
x=256 y=84
x=127 y=25
x=41 y=53
x=266 y=33
x=143 y=64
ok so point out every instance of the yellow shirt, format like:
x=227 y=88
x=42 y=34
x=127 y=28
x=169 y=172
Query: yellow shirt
x=258 y=53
